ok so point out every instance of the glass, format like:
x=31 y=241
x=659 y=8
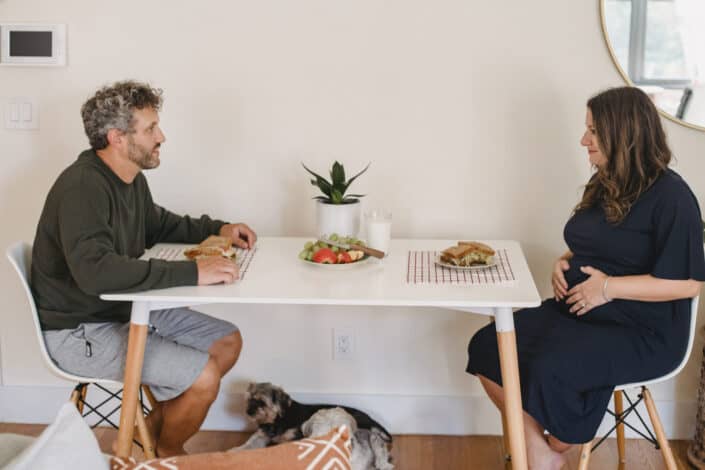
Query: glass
x=378 y=224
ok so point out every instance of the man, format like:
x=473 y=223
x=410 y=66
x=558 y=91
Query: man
x=97 y=221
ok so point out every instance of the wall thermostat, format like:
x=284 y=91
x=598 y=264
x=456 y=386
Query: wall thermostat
x=32 y=44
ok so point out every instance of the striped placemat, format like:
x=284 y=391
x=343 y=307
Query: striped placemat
x=422 y=269
x=243 y=258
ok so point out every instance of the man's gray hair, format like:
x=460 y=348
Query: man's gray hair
x=112 y=107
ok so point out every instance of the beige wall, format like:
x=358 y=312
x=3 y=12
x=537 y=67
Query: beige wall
x=470 y=112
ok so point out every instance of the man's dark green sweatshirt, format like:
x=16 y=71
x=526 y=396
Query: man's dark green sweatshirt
x=92 y=231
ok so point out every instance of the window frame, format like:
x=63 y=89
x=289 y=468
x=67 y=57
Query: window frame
x=637 y=47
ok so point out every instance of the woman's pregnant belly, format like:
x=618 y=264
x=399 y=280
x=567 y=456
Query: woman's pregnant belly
x=574 y=275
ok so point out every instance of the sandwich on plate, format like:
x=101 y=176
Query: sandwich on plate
x=212 y=246
x=467 y=253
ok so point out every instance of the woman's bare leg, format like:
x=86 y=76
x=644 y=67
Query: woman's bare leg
x=539 y=454
x=558 y=445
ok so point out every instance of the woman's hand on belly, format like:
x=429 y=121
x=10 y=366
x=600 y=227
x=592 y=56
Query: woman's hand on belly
x=560 y=285
x=588 y=294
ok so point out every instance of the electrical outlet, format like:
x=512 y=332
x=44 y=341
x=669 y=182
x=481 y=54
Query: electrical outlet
x=343 y=343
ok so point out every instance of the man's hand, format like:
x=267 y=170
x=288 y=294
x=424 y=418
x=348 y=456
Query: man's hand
x=560 y=286
x=242 y=235
x=588 y=294
x=216 y=269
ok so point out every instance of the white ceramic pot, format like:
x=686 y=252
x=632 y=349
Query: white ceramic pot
x=343 y=219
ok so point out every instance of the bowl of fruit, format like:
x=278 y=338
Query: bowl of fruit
x=341 y=252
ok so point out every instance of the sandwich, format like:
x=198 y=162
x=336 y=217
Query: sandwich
x=467 y=253
x=212 y=246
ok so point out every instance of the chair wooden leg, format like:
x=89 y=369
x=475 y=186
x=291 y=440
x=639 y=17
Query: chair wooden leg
x=77 y=395
x=83 y=394
x=150 y=396
x=145 y=436
x=74 y=397
x=658 y=429
x=585 y=451
x=621 y=443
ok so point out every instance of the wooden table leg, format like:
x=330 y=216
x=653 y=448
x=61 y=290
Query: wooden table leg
x=506 y=340
x=133 y=374
x=505 y=443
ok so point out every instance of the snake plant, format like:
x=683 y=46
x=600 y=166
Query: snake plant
x=335 y=189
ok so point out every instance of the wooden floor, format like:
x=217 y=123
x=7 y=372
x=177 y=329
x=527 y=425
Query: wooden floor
x=429 y=452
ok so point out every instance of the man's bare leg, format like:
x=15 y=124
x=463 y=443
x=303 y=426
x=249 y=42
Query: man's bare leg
x=155 y=420
x=539 y=453
x=226 y=351
x=184 y=414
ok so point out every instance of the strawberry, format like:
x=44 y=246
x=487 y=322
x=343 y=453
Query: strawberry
x=325 y=256
x=344 y=257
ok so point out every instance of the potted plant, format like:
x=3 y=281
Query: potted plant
x=337 y=212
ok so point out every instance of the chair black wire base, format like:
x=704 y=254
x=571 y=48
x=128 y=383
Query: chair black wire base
x=105 y=418
x=621 y=419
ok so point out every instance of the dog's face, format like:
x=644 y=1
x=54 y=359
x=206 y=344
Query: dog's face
x=266 y=402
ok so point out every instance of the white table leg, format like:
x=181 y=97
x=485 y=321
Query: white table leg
x=506 y=341
x=133 y=374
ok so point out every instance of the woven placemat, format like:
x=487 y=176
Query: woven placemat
x=242 y=258
x=422 y=269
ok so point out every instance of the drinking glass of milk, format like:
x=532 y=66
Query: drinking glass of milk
x=378 y=223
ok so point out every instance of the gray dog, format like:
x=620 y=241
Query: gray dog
x=369 y=450
x=280 y=419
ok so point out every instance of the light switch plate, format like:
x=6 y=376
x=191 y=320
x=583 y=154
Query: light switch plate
x=22 y=113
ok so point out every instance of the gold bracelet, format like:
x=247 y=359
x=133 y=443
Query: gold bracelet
x=604 y=290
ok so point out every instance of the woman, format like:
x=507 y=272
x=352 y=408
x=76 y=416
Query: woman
x=620 y=311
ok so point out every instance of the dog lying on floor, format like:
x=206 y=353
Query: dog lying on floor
x=280 y=419
x=369 y=450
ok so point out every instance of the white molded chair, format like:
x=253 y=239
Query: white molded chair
x=20 y=256
x=620 y=414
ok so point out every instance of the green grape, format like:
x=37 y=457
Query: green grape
x=335 y=249
x=303 y=254
x=308 y=245
x=309 y=256
x=334 y=237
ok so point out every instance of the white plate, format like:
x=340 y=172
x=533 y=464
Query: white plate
x=337 y=266
x=465 y=268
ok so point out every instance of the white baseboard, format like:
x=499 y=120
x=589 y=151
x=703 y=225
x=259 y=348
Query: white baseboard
x=401 y=414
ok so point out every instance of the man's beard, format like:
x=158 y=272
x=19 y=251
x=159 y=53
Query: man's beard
x=141 y=156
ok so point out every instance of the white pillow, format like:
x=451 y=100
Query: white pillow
x=11 y=445
x=67 y=443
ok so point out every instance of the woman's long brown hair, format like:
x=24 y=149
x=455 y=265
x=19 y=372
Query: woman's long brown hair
x=631 y=137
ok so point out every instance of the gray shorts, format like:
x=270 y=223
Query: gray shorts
x=175 y=355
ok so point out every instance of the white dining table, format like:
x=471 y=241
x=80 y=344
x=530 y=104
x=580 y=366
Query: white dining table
x=272 y=273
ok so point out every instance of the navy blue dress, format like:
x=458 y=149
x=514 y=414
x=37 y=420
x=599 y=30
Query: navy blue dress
x=568 y=364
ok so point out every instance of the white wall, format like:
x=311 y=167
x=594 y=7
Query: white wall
x=470 y=112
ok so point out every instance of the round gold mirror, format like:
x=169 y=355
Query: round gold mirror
x=659 y=46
